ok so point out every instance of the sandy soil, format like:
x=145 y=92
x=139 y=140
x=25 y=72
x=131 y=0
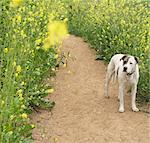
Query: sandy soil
x=82 y=114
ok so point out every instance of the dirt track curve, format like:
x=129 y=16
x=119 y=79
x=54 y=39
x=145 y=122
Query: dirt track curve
x=82 y=114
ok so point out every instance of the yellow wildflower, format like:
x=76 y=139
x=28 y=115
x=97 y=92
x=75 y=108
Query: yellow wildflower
x=18 y=69
x=19 y=92
x=18 y=18
x=16 y=74
x=24 y=115
x=65 y=20
x=2 y=103
x=27 y=67
x=14 y=64
x=49 y=91
x=10 y=132
x=47 y=44
x=23 y=34
x=56 y=56
x=33 y=126
x=6 y=50
x=20 y=96
x=23 y=106
x=11 y=117
x=65 y=65
x=56 y=32
x=15 y=3
x=37 y=47
x=38 y=41
x=22 y=83
x=53 y=69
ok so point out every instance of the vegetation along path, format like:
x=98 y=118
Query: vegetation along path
x=82 y=114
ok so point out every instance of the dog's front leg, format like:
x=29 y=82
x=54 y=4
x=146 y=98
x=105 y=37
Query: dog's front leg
x=121 y=96
x=133 y=96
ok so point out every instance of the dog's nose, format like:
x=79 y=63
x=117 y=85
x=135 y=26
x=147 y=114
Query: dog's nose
x=125 y=69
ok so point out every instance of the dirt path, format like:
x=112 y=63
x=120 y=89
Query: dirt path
x=82 y=114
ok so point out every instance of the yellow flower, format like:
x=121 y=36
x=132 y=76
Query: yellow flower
x=6 y=50
x=24 y=115
x=38 y=41
x=20 y=96
x=23 y=106
x=37 y=47
x=33 y=126
x=14 y=64
x=49 y=91
x=53 y=69
x=27 y=67
x=56 y=56
x=2 y=103
x=30 y=13
x=16 y=74
x=15 y=3
x=19 y=92
x=11 y=117
x=23 y=34
x=22 y=83
x=18 y=69
x=10 y=132
x=66 y=19
x=57 y=30
x=46 y=44
x=18 y=18
x=65 y=65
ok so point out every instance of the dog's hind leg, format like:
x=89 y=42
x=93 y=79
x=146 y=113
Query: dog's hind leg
x=108 y=78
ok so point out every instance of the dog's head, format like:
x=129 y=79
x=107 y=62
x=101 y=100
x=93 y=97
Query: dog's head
x=129 y=64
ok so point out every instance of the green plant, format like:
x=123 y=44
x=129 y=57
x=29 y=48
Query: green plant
x=28 y=54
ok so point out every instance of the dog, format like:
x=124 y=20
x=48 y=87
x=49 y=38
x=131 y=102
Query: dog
x=124 y=69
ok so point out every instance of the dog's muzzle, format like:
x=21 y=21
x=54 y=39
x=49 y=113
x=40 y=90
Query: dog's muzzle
x=124 y=69
x=130 y=73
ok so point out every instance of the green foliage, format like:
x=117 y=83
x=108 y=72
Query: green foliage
x=115 y=27
x=25 y=63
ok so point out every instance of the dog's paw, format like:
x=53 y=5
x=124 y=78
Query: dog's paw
x=135 y=109
x=106 y=96
x=121 y=110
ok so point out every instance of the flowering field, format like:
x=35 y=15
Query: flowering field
x=31 y=32
x=31 y=35
x=115 y=27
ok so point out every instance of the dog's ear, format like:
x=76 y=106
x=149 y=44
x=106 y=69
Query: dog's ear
x=123 y=57
x=136 y=59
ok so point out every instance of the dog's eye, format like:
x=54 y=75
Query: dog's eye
x=130 y=63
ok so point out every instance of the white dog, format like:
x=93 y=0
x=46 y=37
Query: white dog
x=125 y=69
